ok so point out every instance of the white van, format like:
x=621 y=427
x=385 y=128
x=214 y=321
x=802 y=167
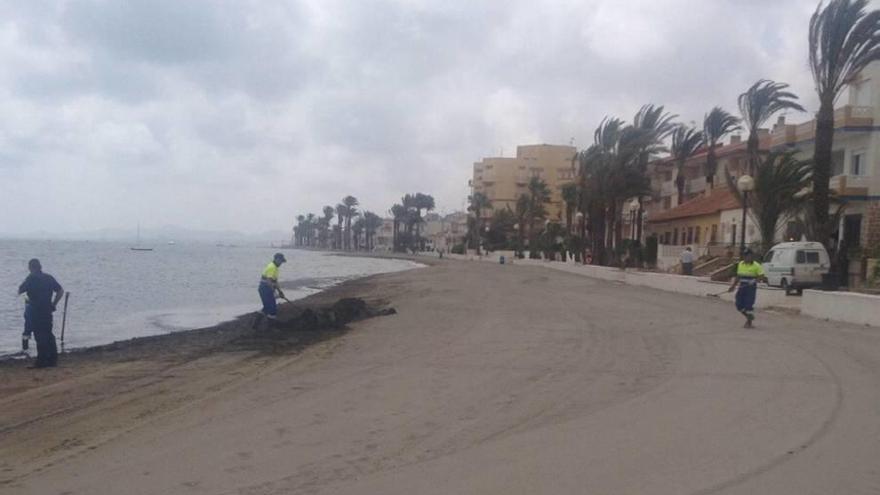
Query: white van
x=796 y=265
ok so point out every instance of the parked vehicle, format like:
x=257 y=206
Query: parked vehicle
x=796 y=266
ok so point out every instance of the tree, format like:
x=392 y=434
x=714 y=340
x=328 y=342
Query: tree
x=351 y=204
x=421 y=202
x=341 y=213
x=781 y=182
x=570 y=199
x=357 y=229
x=843 y=39
x=329 y=212
x=539 y=195
x=685 y=143
x=654 y=125
x=716 y=125
x=757 y=105
x=521 y=213
x=372 y=222
x=478 y=203
x=398 y=214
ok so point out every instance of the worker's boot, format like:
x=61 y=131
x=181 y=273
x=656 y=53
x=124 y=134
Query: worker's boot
x=749 y=318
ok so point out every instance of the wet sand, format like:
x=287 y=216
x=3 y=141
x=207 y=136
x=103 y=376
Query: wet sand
x=490 y=379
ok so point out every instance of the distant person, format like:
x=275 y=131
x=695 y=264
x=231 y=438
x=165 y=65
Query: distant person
x=748 y=273
x=40 y=288
x=269 y=291
x=687 y=261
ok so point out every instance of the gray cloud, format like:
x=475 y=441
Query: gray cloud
x=240 y=114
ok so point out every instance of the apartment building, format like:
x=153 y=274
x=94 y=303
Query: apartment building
x=504 y=179
x=855 y=158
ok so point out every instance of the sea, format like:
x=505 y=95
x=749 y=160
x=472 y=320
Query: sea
x=117 y=293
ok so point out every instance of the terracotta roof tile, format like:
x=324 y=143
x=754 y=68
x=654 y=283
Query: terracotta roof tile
x=721 y=199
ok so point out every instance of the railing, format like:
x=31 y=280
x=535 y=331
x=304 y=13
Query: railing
x=853 y=115
x=673 y=251
x=805 y=131
x=845 y=116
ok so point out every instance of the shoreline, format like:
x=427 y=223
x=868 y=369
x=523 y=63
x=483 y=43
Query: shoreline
x=218 y=327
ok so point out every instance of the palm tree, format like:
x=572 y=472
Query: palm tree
x=372 y=222
x=299 y=229
x=570 y=198
x=685 y=143
x=609 y=173
x=478 y=203
x=780 y=186
x=716 y=125
x=310 y=229
x=351 y=204
x=341 y=213
x=843 y=40
x=329 y=213
x=357 y=229
x=539 y=195
x=398 y=213
x=757 y=105
x=421 y=202
x=654 y=125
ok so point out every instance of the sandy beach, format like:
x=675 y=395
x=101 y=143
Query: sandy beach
x=489 y=379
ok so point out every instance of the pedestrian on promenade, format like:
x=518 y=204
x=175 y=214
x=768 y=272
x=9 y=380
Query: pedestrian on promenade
x=40 y=288
x=748 y=273
x=269 y=291
x=687 y=261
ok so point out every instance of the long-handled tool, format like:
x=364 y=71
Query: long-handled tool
x=64 y=319
x=719 y=294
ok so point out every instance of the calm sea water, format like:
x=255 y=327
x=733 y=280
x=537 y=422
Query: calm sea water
x=118 y=294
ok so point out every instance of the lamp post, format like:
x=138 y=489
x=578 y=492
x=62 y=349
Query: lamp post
x=745 y=184
x=518 y=247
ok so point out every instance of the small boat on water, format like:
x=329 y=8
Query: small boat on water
x=138 y=246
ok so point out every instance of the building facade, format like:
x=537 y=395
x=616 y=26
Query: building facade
x=504 y=179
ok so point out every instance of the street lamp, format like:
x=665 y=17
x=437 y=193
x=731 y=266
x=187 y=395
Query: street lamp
x=745 y=184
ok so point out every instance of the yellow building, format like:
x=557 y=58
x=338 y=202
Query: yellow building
x=504 y=179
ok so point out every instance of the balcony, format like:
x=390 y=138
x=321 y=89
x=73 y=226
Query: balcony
x=850 y=185
x=845 y=116
x=667 y=188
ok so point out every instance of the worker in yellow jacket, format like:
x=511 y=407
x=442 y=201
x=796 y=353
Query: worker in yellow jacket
x=748 y=273
x=269 y=290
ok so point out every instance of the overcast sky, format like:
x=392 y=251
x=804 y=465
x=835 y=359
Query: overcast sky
x=241 y=114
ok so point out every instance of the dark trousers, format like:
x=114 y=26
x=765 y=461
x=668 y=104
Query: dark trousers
x=47 y=350
x=687 y=268
x=745 y=298
x=267 y=296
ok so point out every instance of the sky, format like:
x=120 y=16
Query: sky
x=237 y=114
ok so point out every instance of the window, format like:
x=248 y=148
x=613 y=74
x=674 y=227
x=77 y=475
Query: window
x=667 y=202
x=697 y=235
x=714 y=236
x=675 y=236
x=683 y=237
x=690 y=236
x=800 y=257
x=813 y=257
x=857 y=165
x=769 y=257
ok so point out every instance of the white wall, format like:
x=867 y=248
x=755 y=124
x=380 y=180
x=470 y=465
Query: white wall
x=850 y=307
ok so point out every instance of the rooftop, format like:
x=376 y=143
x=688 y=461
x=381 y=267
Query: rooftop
x=719 y=200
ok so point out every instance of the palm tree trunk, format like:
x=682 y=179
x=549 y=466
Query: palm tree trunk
x=752 y=149
x=822 y=170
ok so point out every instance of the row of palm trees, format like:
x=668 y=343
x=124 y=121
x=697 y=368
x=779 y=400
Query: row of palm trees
x=356 y=230
x=844 y=37
x=353 y=229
